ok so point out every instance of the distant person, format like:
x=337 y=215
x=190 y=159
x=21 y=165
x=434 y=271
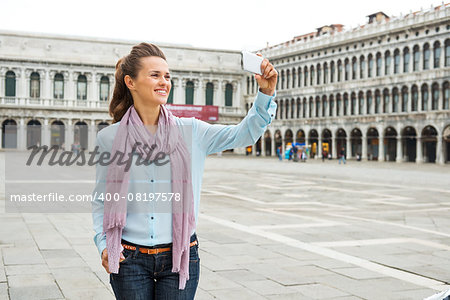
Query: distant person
x=342 y=156
x=154 y=255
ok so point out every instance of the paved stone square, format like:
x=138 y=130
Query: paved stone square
x=267 y=230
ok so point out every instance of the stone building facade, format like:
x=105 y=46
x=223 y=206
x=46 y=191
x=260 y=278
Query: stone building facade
x=380 y=91
x=54 y=90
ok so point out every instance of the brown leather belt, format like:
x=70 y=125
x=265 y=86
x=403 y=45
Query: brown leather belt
x=154 y=250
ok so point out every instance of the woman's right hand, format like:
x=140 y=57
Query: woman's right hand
x=105 y=260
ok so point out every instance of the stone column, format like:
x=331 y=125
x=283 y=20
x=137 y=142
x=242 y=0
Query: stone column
x=92 y=134
x=70 y=93
x=68 y=135
x=364 y=147
x=419 y=98
x=349 y=147
x=46 y=133
x=21 y=135
x=199 y=92
x=91 y=90
x=439 y=151
x=335 y=151
x=237 y=94
x=381 y=146
x=47 y=86
x=441 y=97
x=419 y=154
x=263 y=145
x=1 y=137
x=319 y=147
x=221 y=95
x=399 y=157
x=2 y=84
x=23 y=92
x=178 y=97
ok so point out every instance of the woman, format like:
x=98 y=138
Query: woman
x=150 y=247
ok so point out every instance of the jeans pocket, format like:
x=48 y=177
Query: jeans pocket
x=193 y=254
x=127 y=254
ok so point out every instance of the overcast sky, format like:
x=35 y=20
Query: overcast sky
x=229 y=24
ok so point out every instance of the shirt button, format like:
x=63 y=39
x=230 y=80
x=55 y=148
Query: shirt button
x=151 y=180
x=151 y=236
x=152 y=218
x=271 y=115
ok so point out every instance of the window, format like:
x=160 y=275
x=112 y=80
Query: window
x=310 y=107
x=406 y=58
x=104 y=88
x=338 y=104
x=404 y=99
x=306 y=77
x=170 y=98
x=332 y=71
x=353 y=104
x=330 y=112
x=396 y=61
x=34 y=85
x=325 y=73
x=426 y=56
x=298 y=107
x=311 y=80
x=378 y=64
x=282 y=79
x=369 y=66
x=228 y=95
x=317 y=106
x=304 y=107
x=436 y=54
x=362 y=67
x=395 y=100
x=293 y=78
x=435 y=96
x=299 y=82
x=292 y=108
x=387 y=63
x=58 y=86
x=324 y=106
x=347 y=70
x=319 y=74
x=354 y=68
x=377 y=101
x=369 y=103
x=447 y=52
x=446 y=92
x=189 y=92
x=416 y=58
x=339 y=70
x=361 y=103
x=10 y=84
x=414 y=98
x=424 y=97
x=287 y=79
x=385 y=100
x=82 y=87
x=209 y=93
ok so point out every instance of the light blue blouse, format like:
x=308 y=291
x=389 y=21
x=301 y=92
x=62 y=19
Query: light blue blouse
x=148 y=222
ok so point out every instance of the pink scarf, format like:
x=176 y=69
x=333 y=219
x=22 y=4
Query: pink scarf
x=168 y=140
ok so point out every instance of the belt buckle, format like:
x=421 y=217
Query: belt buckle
x=148 y=251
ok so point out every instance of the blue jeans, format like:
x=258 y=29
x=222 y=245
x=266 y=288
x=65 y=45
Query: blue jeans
x=150 y=276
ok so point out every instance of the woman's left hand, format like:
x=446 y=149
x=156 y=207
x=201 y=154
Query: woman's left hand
x=268 y=80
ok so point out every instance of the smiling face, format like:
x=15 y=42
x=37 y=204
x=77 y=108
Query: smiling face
x=152 y=84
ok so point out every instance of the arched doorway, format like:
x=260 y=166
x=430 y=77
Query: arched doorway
x=57 y=136
x=268 y=143
x=102 y=125
x=341 y=141
x=33 y=133
x=288 y=138
x=429 y=141
x=446 y=143
x=390 y=142
x=81 y=134
x=258 y=147
x=278 y=141
x=300 y=137
x=327 y=141
x=409 y=138
x=9 y=134
x=313 y=142
x=372 y=144
x=356 y=140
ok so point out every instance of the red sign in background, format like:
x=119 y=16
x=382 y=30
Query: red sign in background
x=201 y=112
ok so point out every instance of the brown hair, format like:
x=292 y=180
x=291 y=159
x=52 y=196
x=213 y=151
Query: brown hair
x=129 y=65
